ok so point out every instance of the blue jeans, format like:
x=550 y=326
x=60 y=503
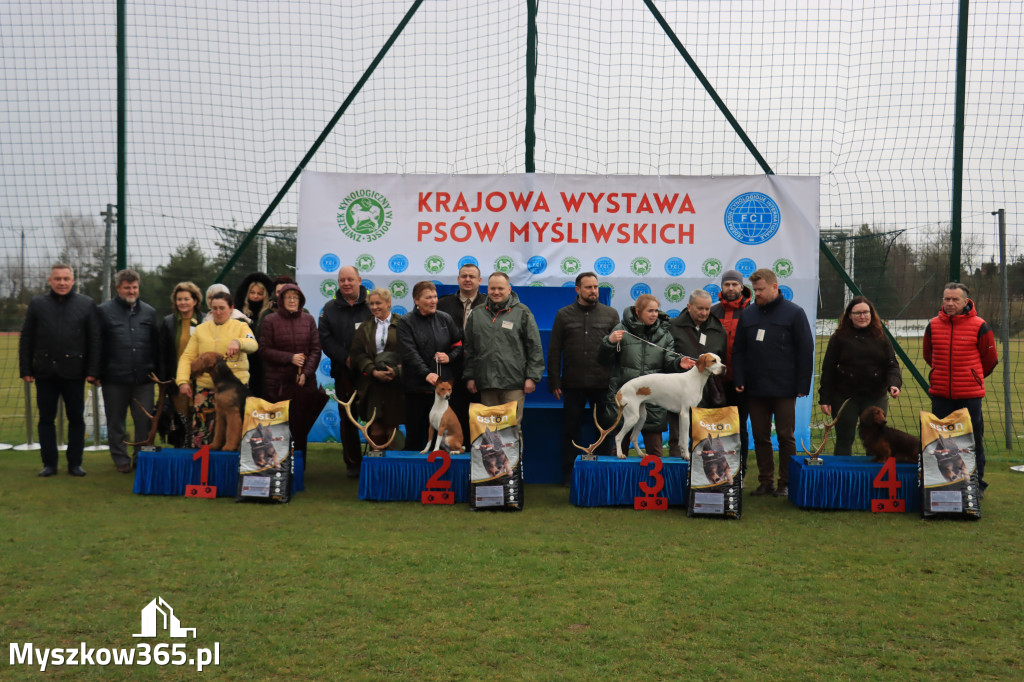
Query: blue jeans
x=942 y=407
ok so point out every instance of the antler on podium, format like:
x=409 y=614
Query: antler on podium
x=603 y=432
x=364 y=428
x=828 y=429
x=154 y=419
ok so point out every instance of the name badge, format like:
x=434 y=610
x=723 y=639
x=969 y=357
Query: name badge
x=358 y=324
x=760 y=335
x=703 y=339
x=506 y=324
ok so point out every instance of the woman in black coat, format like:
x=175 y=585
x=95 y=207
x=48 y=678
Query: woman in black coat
x=859 y=365
x=430 y=340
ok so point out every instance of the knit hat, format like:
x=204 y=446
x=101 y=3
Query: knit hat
x=732 y=276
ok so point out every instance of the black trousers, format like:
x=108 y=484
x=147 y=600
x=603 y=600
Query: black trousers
x=73 y=393
x=574 y=406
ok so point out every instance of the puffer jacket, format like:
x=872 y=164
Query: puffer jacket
x=60 y=338
x=635 y=357
x=728 y=313
x=503 y=346
x=285 y=334
x=961 y=350
x=576 y=337
x=420 y=337
x=131 y=342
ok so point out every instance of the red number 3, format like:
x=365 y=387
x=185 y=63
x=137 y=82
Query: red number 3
x=655 y=473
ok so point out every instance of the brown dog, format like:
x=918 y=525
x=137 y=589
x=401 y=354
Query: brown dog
x=228 y=399
x=882 y=442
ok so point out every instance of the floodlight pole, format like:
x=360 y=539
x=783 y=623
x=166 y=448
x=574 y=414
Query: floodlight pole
x=1004 y=329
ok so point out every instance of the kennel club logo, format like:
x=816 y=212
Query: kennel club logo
x=752 y=218
x=364 y=215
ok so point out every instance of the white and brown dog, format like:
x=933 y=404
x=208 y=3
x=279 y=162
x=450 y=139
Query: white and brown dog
x=674 y=392
x=443 y=422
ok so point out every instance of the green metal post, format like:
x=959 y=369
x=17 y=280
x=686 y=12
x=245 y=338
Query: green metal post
x=122 y=149
x=531 y=81
x=958 y=145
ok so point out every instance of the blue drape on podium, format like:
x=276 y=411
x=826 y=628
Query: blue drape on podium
x=403 y=476
x=612 y=481
x=847 y=483
x=168 y=471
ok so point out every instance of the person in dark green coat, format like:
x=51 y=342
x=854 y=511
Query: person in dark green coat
x=641 y=344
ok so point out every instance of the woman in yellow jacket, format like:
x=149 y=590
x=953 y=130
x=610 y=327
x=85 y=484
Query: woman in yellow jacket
x=221 y=334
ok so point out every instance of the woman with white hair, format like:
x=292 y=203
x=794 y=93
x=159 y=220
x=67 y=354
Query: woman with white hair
x=236 y=314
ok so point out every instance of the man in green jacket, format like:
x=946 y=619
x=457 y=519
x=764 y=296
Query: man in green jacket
x=504 y=358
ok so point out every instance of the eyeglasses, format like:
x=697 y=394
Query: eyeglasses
x=866 y=313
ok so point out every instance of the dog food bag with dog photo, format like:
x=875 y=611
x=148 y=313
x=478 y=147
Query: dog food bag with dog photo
x=265 y=458
x=716 y=476
x=948 y=471
x=496 y=463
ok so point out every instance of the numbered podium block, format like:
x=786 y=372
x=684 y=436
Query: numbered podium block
x=438 y=491
x=204 y=489
x=651 y=500
x=886 y=480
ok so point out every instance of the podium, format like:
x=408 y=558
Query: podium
x=842 y=482
x=403 y=476
x=168 y=471
x=610 y=481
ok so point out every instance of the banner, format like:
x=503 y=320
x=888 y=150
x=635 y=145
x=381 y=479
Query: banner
x=664 y=235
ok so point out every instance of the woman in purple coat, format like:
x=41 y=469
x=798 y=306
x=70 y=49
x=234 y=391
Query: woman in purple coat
x=290 y=349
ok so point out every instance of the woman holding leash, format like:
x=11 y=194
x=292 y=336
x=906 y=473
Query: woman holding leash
x=430 y=340
x=377 y=357
x=859 y=365
x=639 y=345
x=224 y=335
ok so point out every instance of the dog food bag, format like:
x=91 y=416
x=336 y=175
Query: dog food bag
x=496 y=462
x=716 y=472
x=947 y=468
x=265 y=458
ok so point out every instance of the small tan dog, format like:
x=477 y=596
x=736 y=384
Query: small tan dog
x=443 y=422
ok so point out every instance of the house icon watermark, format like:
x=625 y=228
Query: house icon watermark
x=157 y=615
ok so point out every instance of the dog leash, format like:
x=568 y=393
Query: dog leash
x=618 y=346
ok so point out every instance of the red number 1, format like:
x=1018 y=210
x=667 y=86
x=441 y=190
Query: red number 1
x=203 y=489
x=886 y=479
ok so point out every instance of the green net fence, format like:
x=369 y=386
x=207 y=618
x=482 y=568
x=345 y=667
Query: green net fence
x=224 y=100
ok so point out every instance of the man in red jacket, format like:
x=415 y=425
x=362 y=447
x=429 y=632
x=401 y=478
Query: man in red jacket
x=961 y=350
x=733 y=298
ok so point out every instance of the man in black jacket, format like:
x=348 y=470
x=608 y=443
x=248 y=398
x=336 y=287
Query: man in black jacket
x=459 y=305
x=131 y=353
x=59 y=351
x=339 y=320
x=574 y=374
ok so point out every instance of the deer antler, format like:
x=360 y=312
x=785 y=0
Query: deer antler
x=604 y=432
x=361 y=427
x=154 y=419
x=828 y=429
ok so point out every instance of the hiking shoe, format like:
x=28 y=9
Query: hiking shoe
x=764 y=489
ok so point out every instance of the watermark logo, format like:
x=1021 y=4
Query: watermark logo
x=746 y=266
x=504 y=264
x=674 y=292
x=329 y=262
x=640 y=266
x=639 y=289
x=159 y=612
x=365 y=262
x=364 y=215
x=783 y=267
x=433 y=264
x=537 y=265
x=674 y=267
x=752 y=218
x=398 y=263
x=604 y=266
x=571 y=266
x=712 y=267
x=399 y=289
x=329 y=288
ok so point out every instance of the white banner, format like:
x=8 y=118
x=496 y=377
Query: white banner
x=641 y=234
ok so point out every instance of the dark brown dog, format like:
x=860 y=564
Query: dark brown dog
x=882 y=442
x=229 y=400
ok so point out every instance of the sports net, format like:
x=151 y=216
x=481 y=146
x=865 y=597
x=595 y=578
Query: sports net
x=224 y=100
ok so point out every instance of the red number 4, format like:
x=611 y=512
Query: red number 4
x=886 y=479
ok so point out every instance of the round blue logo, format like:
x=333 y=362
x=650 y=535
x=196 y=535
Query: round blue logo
x=329 y=262
x=537 y=265
x=638 y=289
x=370 y=286
x=672 y=312
x=571 y=285
x=713 y=289
x=325 y=364
x=675 y=267
x=330 y=418
x=604 y=266
x=786 y=292
x=468 y=260
x=398 y=263
x=399 y=310
x=746 y=266
x=752 y=218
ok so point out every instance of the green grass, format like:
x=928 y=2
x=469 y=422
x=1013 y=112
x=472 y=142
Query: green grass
x=329 y=587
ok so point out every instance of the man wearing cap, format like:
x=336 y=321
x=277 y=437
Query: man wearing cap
x=733 y=298
x=960 y=348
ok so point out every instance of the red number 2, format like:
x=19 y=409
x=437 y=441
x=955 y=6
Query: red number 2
x=435 y=482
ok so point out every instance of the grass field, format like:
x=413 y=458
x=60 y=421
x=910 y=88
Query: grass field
x=329 y=587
